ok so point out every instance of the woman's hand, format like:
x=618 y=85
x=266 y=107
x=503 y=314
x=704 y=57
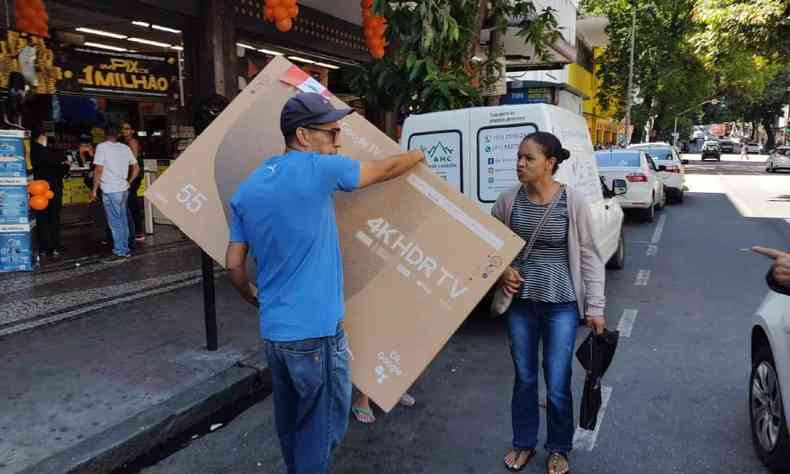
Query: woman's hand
x=596 y=323
x=511 y=281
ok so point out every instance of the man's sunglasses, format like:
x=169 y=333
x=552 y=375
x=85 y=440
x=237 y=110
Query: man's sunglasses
x=335 y=132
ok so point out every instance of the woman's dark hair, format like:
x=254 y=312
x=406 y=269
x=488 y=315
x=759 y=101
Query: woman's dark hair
x=551 y=147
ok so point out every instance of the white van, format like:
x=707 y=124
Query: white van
x=476 y=150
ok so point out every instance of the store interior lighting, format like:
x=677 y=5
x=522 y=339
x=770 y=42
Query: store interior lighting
x=270 y=52
x=177 y=48
x=100 y=33
x=105 y=46
x=167 y=29
x=301 y=60
x=150 y=42
x=142 y=23
x=328 y=66
x=246 y=46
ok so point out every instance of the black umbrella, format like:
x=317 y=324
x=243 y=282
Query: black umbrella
x=595 y=354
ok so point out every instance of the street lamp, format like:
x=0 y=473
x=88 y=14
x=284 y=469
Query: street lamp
x=675 y=130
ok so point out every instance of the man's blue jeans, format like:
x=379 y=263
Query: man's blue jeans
x=118 y=220
x=312 y=399
x=555 y=325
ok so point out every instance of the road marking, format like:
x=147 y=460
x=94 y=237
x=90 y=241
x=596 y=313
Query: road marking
x=585 y=439
x=659 y=229
x=626 y=324
x=652 y=250
x=642 y=278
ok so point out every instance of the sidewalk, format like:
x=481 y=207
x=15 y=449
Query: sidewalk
x=128 y=337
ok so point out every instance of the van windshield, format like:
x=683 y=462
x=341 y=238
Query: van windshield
x=617 y=160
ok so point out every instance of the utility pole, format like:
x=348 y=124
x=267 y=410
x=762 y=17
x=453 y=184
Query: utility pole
x=630 y=76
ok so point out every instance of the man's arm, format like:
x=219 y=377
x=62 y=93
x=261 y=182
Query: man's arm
x=97 y=172
x=379 y=171
x=135 y=173
x=236 y=261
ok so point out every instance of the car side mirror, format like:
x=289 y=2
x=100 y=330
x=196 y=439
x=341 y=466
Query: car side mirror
x=662 y=168
x=684 y=161
x=619 y=187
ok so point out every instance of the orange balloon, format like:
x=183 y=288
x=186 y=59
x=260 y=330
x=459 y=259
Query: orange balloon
x=273 y=3
x=38 y=187
x=366 y=13
x=284 y=25
x=377 y=53
x=268 y=13
x=39 y=203
x=280 y=13
x=369 y=32
x=376 y=20
x=380 y=29
x=293 y=11
x=366 y=4
x=49 y=195
x=23 y=24
x=288 y=3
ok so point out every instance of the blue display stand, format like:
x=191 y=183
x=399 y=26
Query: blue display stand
x=16 y=249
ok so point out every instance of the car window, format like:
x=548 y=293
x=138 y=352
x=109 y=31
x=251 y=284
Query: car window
x=616 y=160
x=651 y=162
x=660 y=153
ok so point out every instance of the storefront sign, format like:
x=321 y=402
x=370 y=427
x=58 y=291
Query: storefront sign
x=85 y=70
x=15 y=245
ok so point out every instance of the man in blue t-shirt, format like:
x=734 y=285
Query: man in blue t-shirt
x=283 y=214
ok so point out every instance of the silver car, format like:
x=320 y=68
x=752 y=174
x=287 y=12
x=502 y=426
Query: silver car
x=778 y=159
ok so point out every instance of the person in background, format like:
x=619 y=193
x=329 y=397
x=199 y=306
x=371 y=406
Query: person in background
x=300 y=274
x=112 y=174
x=136 y=212
x=51 y=166
x=778 y=277
x=558 y=285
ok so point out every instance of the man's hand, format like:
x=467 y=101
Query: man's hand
x=511 y=281
x=781 y=267
x=596 y=323
x=93 y=196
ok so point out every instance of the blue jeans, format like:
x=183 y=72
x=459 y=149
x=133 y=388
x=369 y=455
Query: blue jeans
x=555 y=325
x=118 y=220
x=312 y=399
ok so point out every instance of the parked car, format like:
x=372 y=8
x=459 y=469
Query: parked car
x=778 y=159
x=754 y=148
x=711 y=150
x=674 y=177
x=645 y=191
x=769 y=383
x=727 y=146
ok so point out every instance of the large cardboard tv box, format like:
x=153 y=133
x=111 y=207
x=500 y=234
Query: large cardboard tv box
x=418 y=255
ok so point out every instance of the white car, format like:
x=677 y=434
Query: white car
x=645 y=189
x=674 y=176
x=778 y=159
x=769 y=383
x=754 y=148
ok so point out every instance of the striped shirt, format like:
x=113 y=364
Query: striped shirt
x=546 y=272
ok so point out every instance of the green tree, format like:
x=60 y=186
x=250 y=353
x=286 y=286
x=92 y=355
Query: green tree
x=430 y=63
x=730 y=26
x=668 y=74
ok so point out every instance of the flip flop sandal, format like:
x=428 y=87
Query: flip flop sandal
x=555 y=463
x=359 y=411
x=519 y=453
x=407 y=400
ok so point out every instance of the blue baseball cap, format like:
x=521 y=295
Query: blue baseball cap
x=308 y=108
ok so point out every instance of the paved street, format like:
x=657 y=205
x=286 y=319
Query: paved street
x=678 y=385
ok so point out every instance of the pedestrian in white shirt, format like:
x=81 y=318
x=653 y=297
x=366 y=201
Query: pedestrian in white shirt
x=115 y=168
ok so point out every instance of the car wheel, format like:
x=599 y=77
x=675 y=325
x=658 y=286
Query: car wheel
x=617 y=262
x=766 y=411
x=649 y=214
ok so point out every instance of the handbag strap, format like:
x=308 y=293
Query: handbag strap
x=534 y=237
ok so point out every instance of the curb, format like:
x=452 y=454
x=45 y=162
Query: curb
x=153 y=427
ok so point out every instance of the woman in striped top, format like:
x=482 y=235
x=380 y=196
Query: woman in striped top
x=563 y=268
